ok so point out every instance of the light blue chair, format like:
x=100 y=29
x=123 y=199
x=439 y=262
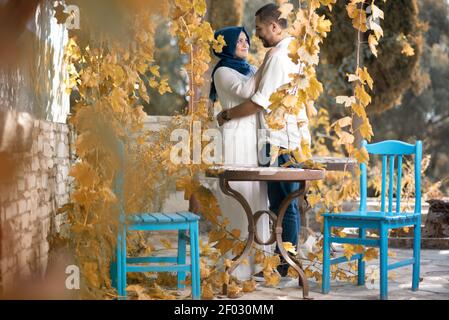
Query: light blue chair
x=383 y=220
x=180 y=221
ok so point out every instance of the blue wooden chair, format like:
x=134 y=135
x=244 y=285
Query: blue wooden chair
x=383 y=220
x=180 y=221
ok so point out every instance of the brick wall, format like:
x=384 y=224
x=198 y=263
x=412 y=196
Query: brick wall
x=28 y=204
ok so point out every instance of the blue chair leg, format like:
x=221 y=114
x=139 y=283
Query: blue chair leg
x=123 y=264
x=195 y=261
x=383 y=262
x=326 y=258
x=119 y=265
x=416 y=255
x=181 y=257
x=361 y=263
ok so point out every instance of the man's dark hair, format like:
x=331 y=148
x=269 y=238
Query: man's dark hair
x=271 y=13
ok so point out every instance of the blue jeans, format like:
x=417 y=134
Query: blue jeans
x=277 y=192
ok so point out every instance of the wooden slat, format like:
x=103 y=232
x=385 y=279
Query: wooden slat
x=391 y=147
x=390 y=183
x=148 y=218
x=175 y=217
x=384 y=179
x=160 y=217
x=189 y=216
x=398 y=186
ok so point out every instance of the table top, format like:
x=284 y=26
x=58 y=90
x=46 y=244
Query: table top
x=336 y=163
x=248 y=173
x=253 y=173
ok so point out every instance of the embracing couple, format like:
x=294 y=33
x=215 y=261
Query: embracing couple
x=244 y=93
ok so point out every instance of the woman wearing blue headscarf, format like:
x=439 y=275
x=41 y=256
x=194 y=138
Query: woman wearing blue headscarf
x=233 y=81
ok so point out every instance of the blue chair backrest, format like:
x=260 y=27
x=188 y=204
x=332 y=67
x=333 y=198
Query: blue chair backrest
x=390 y=150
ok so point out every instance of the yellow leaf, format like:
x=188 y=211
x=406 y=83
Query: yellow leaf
x=234 y=290
x=315 y=89
x=362 y=95
x=228 y=263
x=308 y=273
x=313 y=199
x=259 y=257
x=359 y=110
x=366 y=130
x=361 y=155
x=365 y=77
x=224 y=245
x=271 y=263
x=272 y=279
x=216 y=235
x=285 y=10
x=347 y=101
x=289 y=247
x=372 y=42
x=238 y=248
x=370 y=254
x=207 y=293
x=348 y=250
x=219 y=44
x=345 y=137
x=324 y=26
x=318 y=276
x=155 y=71
x=407 y=50
x=139 y=290
x=236 y=233
x=290 y=101
x=153 y=82
x=344 y=122
x=292 y=273
x=352 y=77
x=249 y=286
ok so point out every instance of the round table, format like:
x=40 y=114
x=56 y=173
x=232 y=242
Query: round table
x=248 y=173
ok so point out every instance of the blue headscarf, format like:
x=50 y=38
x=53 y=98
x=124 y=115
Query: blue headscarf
x=227 y=56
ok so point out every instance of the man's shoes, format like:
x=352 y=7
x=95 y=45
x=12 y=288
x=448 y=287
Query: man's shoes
x=283 y=269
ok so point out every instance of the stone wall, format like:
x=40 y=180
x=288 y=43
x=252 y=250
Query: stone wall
x=29 y=202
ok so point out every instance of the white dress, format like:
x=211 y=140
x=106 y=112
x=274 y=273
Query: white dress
x=240 y=149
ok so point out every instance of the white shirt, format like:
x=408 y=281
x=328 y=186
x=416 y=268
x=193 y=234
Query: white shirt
x=275 y=74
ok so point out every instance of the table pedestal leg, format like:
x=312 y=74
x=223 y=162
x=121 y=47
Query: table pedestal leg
x=226 y=188
x=300 y=194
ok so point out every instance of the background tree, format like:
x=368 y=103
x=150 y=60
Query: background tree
x=425 y=114
x=397 y=63
x=225 y=13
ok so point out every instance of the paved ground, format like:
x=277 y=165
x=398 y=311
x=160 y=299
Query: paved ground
x=435 y=284
x=434 y=271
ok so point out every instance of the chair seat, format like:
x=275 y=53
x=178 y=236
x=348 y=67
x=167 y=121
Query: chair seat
x=372 y=215
x=156 y=218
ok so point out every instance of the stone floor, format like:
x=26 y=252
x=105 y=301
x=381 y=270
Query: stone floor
x=435 y=284
x=434 y=271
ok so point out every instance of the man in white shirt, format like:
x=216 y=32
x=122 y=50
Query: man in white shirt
x=272 y=31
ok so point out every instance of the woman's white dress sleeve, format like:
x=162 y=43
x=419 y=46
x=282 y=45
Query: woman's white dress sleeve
x=229 y=81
